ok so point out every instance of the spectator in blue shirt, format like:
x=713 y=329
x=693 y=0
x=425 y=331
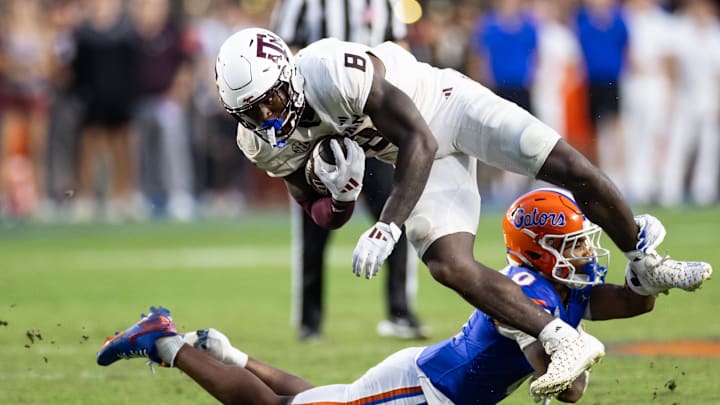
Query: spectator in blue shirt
x=603 y=37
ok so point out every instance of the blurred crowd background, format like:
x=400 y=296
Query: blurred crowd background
x=108 y=108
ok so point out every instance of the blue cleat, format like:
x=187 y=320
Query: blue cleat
x=139 y=339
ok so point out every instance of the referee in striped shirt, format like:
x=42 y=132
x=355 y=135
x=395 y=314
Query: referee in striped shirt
x=299 y=23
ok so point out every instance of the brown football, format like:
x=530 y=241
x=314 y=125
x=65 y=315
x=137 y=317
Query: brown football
x=322 y=149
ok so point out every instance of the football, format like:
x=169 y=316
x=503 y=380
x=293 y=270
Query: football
x=323 y=150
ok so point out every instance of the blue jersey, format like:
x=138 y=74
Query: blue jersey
x=481 y=366
x=511 y=44
x=604 y=44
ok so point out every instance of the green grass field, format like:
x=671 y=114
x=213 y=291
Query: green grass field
x=70 y=286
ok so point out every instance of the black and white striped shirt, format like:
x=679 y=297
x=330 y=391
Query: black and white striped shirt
x=369 y=22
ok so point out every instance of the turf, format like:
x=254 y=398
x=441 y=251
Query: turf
x=64 y=288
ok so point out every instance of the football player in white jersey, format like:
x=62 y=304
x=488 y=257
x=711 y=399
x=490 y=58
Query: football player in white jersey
x=432 y=124
x=556 y=260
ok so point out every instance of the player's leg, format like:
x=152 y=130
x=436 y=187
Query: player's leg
x=519 y=142
x=239 y=380
x=394 y=380
x=442 y=228
x=401 y=322
x=602 y=203
x=228 y=384
x=215 y=344
x=309 y=242
x=595 y=193
x=451 y=262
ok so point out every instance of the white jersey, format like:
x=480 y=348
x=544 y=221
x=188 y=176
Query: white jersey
x=468 y=121
x=337 y=79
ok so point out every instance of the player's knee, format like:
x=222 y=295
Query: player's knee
x=452 y=271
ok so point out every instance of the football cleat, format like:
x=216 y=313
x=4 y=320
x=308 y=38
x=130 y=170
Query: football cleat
x=573 y=357
x=139 y=339
x=401 y=327
x=654 y=274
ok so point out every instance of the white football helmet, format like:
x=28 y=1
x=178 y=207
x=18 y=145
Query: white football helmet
x=251 y=66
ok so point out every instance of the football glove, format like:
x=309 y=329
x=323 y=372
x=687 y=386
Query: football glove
x=374 y=247
x=651 y=234
x=343 y=179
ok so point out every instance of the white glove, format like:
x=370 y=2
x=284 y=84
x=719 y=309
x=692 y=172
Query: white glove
x=374 y=246
x=343 y=179
x=651 y=234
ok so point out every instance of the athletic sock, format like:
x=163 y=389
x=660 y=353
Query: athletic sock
x=168 y=347
x=554 y=333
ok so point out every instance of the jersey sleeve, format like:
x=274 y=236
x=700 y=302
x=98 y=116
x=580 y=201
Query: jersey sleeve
x=337 y=78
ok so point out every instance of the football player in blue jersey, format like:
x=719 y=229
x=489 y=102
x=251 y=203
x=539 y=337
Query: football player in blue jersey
x=555 y=257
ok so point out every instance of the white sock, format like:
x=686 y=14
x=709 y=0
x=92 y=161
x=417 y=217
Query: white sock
x=554 y=332
x=190 y=338
x=168 y=347
x=236 y=357
x=219 y=347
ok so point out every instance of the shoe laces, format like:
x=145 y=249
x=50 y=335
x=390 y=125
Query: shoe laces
x=566 y=353
x=133 y=354
x=674 y=273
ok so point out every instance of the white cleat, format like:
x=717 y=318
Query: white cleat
x=654 y=274
x=567 y=362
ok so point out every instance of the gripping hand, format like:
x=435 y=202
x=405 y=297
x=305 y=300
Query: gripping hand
x=374 y=247
x=651 y=234
x=343 y=179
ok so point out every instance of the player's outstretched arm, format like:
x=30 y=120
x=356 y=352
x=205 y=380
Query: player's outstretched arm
x=612 y=301
x=397 y=118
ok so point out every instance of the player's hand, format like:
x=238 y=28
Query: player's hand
x=343 y=179
x=374 y=247
x=651 y=233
